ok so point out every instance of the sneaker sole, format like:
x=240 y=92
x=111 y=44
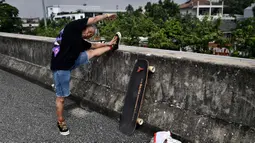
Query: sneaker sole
x=65 y=133
x=119 y=35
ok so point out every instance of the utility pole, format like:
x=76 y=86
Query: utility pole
x=44 y=14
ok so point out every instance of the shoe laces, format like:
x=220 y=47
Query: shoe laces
x=63 y=125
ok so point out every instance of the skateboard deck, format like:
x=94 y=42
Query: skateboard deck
x=134 y=97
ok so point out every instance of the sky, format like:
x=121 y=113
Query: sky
x=33 y=8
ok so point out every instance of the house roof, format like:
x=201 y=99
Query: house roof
x=191 y=3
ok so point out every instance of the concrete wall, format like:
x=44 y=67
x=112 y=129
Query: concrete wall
x=202 y=98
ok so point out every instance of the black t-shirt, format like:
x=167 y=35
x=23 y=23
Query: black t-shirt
x=71 y=44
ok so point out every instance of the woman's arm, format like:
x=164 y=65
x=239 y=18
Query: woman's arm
x=93 y=20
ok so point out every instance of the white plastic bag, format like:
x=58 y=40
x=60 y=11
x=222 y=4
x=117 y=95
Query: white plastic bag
x=163 y=137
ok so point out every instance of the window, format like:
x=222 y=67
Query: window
x=215 y=11
x=203 y=11
x=81 y=16
x=89 y=15
x=73 y=17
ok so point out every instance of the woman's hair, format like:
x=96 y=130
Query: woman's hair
x=94 y=26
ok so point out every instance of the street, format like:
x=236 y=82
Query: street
x=28 y=115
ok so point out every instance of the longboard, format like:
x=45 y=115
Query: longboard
x=134 y=97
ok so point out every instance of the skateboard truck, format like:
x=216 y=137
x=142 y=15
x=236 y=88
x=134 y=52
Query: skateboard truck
x=151 y=69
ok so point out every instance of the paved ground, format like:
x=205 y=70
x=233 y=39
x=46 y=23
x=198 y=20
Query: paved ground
x=28 y=115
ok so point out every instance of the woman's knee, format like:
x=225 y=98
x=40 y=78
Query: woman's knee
x=91 y=54
x=60 y=100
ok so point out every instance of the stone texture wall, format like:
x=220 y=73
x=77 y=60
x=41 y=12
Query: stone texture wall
x=202 y=98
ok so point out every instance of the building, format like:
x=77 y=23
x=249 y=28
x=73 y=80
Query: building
x=75 y=12
x=30 y=22
x=202 y=8
x=71 y=16
x=248 y=12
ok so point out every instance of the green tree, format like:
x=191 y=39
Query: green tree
x=168 y=37
x=165 y=28
x=148 y=6
x=205 y=32
x=129 y=8
x=140 y=9
x=189 y=24
x=236 y=6
x=160 y=2
x=187 y=31
x=244 y=37
x=171 y=8
x=9 y=20
x=132 y=25
x=53 y=28
x=162 y=11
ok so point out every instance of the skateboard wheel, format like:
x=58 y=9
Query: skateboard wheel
x=152 y=69
x=139 y=121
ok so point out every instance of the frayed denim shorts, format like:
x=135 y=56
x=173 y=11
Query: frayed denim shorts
x=62 y=77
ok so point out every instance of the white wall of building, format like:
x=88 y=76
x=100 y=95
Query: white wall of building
x=30 y=22
x=52 y=10
x=214 y=11
x=70 y=16
x=248 y=12
x=89 y=10
x=30 y=25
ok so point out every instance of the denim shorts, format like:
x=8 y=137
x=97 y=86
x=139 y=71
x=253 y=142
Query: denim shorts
x=62 y=77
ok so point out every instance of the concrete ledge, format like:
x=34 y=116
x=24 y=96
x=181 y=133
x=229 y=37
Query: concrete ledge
x=202 y=98
x=27 y=69
x=27 y=37
x=204 y=58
